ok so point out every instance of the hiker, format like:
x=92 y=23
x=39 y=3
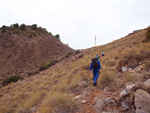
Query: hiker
x=102 y=53
x=95 y=65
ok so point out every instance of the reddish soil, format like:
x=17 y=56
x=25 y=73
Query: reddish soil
x=20 y=55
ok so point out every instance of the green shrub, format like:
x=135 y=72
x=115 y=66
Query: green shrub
x=15 y=25
x=68 y=54
x=77 y=52
x=47 y=65
x=57 y=36
x=22 y=26
x=49 y=33
x=34 y=26
x=4 y=27
x=80 y=56
x=12 y=79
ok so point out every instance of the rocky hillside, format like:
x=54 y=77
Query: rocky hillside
x=24 y=48
x=67 y=87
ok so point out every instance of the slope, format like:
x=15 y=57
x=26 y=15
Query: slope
x=54 y=89
x=24 y=50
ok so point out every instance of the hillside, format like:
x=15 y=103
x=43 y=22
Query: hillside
x=67 y=86
x=24 y=48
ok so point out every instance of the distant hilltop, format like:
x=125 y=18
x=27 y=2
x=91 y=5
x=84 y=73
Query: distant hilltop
x=24 y=48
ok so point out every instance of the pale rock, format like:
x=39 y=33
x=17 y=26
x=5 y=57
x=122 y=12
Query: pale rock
x=123 y=93
x=124 y=69
x=84 y=101
x=142 y=101
x=100 y=103
x=129 y=88
x=147 y=83
x=110 y=101
x=124 y=106
x=77 y=97
x=130 y=69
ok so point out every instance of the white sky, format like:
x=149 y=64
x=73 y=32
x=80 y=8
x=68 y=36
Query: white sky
x=78 y=21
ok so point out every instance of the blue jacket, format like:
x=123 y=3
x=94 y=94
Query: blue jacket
x=99 y=65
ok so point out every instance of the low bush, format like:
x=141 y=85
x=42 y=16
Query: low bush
x=77 y=52
x=34 y=26
x=80 y=56
x=106 y=77
x=22 y=26
x=47 y=65
x=15 y=25
x=4 y=27
x=12 y=79
x=68 y=54
x=57 y=36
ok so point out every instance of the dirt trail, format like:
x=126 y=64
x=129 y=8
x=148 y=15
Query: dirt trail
x=88 y=106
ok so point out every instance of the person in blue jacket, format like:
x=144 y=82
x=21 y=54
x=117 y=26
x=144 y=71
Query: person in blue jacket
x=96 y=70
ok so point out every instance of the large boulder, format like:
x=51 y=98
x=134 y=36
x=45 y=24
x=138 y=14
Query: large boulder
x=142 y=101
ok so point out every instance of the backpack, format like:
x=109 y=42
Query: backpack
x=94 y=63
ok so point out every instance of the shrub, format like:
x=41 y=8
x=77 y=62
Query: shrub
x=57 y=36
x=77 y=52
x=22 y=26
x=68 y=54
x=49 y=33
x=16 y=25
x=4 y=27
x=80 y=56
x=34 y=26
x=106 y=77
x=47 y=65
x=12 y=79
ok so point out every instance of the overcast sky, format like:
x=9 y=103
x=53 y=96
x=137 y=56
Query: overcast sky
x=78 y=21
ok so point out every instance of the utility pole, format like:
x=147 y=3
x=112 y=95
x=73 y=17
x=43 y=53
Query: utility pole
x=95 y=40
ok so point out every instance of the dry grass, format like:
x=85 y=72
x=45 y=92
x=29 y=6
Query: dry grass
x=52 y=89
x=59 y=103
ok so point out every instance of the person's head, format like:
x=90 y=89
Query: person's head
x=97 y=57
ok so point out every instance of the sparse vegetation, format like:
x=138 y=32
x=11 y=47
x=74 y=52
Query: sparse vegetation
x=80 y=56
x=4 y=27
x=34 y=26
x=22 y=26
x=57 y=36
x=53 y=90
x=106 y=77
x=15 y=25
x=68 y=54
x=47 y=65
x=12 y=79
x=59 y=103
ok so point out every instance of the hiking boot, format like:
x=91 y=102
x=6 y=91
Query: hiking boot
x=94 y=84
